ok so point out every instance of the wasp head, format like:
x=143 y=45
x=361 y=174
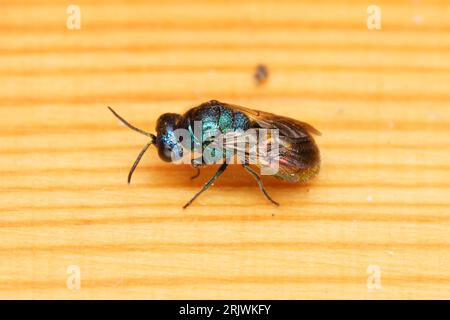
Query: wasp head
x=167 y=141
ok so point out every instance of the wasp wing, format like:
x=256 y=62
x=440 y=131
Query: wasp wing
x=297 y=159
x=288 y=127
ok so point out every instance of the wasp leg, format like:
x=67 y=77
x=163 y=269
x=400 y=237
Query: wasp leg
x=196 y=163
x=208 y=184
x=260 y=183
x=197 y=174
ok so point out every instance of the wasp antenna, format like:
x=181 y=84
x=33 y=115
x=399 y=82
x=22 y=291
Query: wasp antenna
x=129 y=125
x=136 y=162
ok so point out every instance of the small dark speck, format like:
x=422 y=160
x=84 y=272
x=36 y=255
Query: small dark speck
x=261 y=74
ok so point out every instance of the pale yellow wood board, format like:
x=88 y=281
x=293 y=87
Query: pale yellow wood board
x=380 y=98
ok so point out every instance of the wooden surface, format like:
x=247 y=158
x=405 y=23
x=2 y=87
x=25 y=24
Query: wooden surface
x=380 y=98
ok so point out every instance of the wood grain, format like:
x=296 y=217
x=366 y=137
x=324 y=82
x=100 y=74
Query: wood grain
x=380 y=98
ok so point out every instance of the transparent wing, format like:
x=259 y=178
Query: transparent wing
x=288 y=127
x=296 y=157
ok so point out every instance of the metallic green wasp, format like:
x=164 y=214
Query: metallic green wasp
x=297 y=157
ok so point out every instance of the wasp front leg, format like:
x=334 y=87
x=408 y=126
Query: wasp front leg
x=208 y=184
x=196 y=163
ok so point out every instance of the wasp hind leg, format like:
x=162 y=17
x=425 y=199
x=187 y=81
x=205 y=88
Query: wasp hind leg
x=260 y=183
x=208 y=184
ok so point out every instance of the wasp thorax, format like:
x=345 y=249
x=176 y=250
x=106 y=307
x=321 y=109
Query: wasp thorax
x=169 y=148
